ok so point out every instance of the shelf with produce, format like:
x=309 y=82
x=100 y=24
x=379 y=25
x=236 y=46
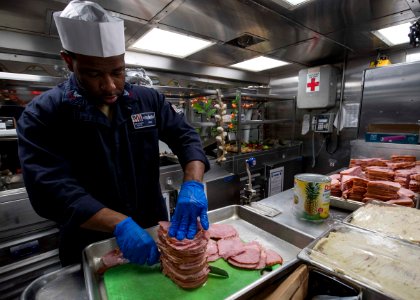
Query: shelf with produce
x=261 y=122
x=248 y=109
x=183 y=92
x=257 y=97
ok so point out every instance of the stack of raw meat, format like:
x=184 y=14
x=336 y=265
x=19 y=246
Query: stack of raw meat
x=185 y=262
x=403 y=158
x=414 y=183
x=379 y=173
x=379 y=179
x=382 y=190
x=367 y=162
x=336 y=185
x=225 y=243
x=358 y=190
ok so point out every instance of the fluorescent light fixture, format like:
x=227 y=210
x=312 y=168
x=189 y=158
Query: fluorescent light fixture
x=296 y=2
x=170 y=43
x=260 y=63
x=290 y=4
x=394 y=35
x=412 y=57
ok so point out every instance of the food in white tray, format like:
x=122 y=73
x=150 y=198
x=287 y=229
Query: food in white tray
x=398 y=221
x=384 y=264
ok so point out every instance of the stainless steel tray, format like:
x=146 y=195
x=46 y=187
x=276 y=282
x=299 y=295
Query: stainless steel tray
x=250 y=225
x=391 y=232
x=380 y=242
x=346 y=204
x=64 y=284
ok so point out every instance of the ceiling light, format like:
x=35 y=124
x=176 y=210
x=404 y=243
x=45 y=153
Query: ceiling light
x=259 y=64
x=296 y=2
x=412 y=57
x=394 y=35
x=170 y=43
x=290 y=4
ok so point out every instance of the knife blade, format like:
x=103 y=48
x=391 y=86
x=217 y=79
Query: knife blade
x=218 y=272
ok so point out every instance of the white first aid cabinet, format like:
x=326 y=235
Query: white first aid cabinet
x=317 y=87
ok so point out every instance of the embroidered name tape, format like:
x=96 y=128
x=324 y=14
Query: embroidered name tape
x=142 y=120
x=176 y=109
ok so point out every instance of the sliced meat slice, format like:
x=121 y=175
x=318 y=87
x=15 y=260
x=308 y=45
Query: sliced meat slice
x=213 y=257
x=230 y=247
x=406 y=193
x=263 y=259
x=251 y=255
x=111 y=259
x=402 y=201
x=354 y=171
x=211 y=248
x=242 y=266
x=222 y=231
x=273 y=258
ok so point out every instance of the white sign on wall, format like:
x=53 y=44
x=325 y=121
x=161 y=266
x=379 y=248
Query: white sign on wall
x=313 y=80
x=275 y=184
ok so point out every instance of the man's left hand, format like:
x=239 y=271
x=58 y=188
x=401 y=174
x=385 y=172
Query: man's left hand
x=192 y=203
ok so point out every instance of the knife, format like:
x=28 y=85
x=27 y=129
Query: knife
x=218 y=272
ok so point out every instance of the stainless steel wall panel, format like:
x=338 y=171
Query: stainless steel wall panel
x=223 y=55
x=27 y=15
x=362 y=149
x=18 y=43
x=226 y=20
x=310 y=52
x=143 y=9
x=391 y=94
x=331 y=15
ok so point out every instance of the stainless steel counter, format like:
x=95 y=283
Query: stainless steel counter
x=70 y=281
x=283 y=202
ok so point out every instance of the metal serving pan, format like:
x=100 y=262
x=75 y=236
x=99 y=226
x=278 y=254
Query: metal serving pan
x=385 y=220
x=371 y=248
x=346 y=204
x=250 y=225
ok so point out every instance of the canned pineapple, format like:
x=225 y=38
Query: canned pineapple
x=312 y=196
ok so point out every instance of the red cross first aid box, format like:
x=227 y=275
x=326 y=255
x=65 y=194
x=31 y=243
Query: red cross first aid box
x=317 y=87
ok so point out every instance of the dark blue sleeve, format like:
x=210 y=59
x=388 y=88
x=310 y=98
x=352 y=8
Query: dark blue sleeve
x=54 y=193
x=180 y=136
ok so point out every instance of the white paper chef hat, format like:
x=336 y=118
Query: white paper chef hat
x=86 y=28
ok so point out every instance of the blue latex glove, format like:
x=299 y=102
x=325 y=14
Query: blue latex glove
x=192 y=203
x=136 y=243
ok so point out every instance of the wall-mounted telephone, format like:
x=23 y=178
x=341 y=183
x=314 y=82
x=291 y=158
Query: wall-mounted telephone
x=323 y=123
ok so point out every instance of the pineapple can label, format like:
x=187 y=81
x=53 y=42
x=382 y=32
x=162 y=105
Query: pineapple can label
x=312 y=196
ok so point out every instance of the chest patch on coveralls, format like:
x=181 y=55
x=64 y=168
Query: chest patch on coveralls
x=142 y=120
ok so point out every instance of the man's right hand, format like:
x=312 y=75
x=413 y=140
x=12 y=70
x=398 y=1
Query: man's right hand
x=136 y=243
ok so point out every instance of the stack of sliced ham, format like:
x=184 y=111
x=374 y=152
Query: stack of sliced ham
x=358 y=189
x=401 y=169
x=336 y=185
x=251 y=255
x=367 y=162
x=403 y=177
x=379 y=173
x=185 y=262
x=347 y=182
x=354 y=171
x=400 y=165
x=414 y=183
x=382 y=190
x=405 y=198
x=403 y=158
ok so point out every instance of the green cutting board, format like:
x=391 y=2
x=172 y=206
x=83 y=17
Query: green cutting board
x=142 y=282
